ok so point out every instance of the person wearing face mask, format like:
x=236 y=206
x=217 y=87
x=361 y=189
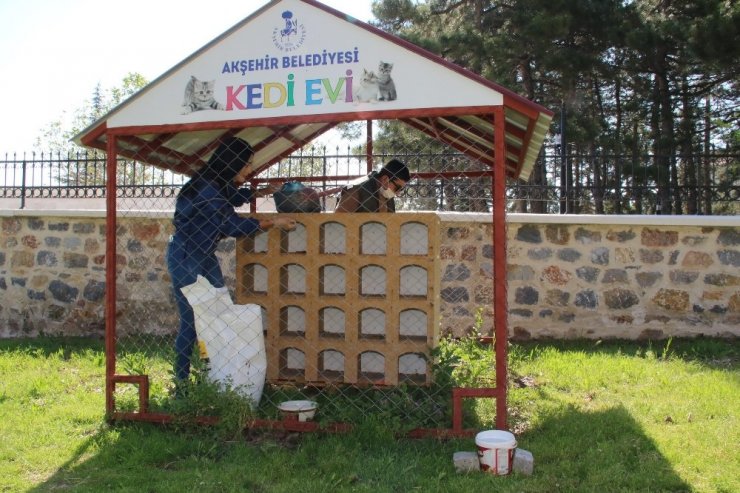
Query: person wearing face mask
x=377 y=191
x=204 y=214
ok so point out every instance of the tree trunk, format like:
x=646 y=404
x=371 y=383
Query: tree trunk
x=538 y=186
x=637 y=187
x=663 y=149
x=617 y=167
x=707 y=175
x=598 y=186
x=687 y=127
x=664 y=144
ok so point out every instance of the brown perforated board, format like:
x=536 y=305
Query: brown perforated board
x=347 y=298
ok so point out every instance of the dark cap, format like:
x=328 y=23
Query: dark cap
x=396 y=169
x=228 y=159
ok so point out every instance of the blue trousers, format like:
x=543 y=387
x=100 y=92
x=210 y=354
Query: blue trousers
x=184 y=267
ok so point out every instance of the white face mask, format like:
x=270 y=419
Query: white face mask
x=387 y=193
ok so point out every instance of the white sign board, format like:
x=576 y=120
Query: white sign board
x=296 y=59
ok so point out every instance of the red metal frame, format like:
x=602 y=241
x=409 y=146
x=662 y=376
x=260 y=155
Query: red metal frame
x=290 y=423
x=499 y=265
x=369 y=147
x=110 y=277
x=188 y=163
x=502 y=159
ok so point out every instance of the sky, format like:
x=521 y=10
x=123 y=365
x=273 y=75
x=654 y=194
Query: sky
x=54 y=52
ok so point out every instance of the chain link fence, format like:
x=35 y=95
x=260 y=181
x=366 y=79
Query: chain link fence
x=338 y=315
x=599 y=184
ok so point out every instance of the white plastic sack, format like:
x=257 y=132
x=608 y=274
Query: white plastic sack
x=233 y=338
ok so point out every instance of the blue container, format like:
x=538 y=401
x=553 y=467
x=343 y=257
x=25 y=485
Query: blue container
x=294 y=196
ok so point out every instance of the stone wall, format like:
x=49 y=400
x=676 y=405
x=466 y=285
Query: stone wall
x=568 y=276
x=51 y=275
x=597 y=277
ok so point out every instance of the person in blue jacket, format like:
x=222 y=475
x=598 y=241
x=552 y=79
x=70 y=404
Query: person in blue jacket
x=204 y=214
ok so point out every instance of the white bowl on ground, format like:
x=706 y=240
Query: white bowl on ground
x=304 y=409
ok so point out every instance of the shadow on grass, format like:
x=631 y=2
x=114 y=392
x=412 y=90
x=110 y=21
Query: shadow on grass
x=152 y=347
x=598 y=451
x=47 y=346
x=573 y=450
x=708 y=352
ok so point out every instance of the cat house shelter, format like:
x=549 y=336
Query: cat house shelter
x=350 y=302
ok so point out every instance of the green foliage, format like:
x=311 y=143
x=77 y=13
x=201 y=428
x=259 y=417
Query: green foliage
x=200 y=397
x=466 y=361
x=57 y=135
x=623 y=74
x=134 y=363
x=209 y=399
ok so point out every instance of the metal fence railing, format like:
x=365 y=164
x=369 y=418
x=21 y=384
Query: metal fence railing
x=348 y=304
x=574 y=183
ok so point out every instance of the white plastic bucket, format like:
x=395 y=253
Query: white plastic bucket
x=495 y=451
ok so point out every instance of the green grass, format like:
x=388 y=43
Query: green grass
x=614 y=416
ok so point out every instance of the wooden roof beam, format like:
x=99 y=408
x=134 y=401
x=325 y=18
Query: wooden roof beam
x=470 y=150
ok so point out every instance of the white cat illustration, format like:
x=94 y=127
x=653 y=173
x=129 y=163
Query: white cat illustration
x=367 y=90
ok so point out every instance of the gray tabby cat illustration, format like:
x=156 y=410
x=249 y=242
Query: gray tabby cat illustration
x=199 y=96
x=386 y=86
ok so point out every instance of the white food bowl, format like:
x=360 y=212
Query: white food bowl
x=304 y=409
